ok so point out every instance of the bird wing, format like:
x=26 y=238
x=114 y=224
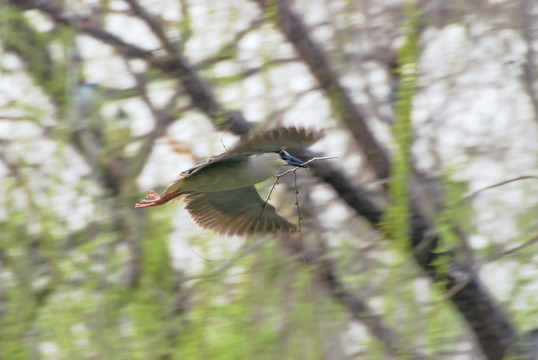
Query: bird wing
x=240 y=211
x=260 y=141
x=214 y=161
x=220 y=159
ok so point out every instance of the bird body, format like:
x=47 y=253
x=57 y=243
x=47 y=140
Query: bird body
x=219 y=193
x=232 y=173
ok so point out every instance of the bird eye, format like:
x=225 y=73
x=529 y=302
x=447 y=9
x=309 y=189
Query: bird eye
x=282 y=153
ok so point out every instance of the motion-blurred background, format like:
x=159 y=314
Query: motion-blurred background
x=418 y=241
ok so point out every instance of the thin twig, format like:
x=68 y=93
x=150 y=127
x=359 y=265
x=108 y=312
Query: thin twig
x=294 y=170
x=268 y=196
x=221 y=270
x=306 y=163
x=300 y=230
x=513 y=250
x=461 y=284
x=239 y=254
x=478 y=192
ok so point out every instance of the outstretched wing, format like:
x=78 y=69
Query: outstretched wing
x=260 y=141
x=235 y=212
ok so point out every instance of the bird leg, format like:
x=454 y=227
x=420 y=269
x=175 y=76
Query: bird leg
x=152 y=199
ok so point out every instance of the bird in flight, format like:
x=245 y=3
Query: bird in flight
x=219 y=193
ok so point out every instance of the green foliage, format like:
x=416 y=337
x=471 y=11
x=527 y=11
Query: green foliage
x=260 y=314
x=88 y=314
x=454 y=220
x=185 y=28
x=15 y=323
x=443 y=330
x=396 y=221
x=272 y=11
x=156 y=261
x=20 y=294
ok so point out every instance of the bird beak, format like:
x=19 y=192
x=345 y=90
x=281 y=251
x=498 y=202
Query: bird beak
x=293 y=161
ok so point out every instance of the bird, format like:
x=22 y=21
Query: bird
x=219 y=193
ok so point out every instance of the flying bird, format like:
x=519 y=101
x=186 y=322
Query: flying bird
x=219 y=193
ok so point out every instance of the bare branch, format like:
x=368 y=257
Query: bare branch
x=299 y=218
x=461 y=284
x=478 y=192
x=154 y=25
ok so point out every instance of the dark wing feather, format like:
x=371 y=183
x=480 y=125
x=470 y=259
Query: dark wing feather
x=217 y=160
x=260 y=141
x=235 y=212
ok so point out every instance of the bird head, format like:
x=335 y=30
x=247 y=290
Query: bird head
x=288 y=160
